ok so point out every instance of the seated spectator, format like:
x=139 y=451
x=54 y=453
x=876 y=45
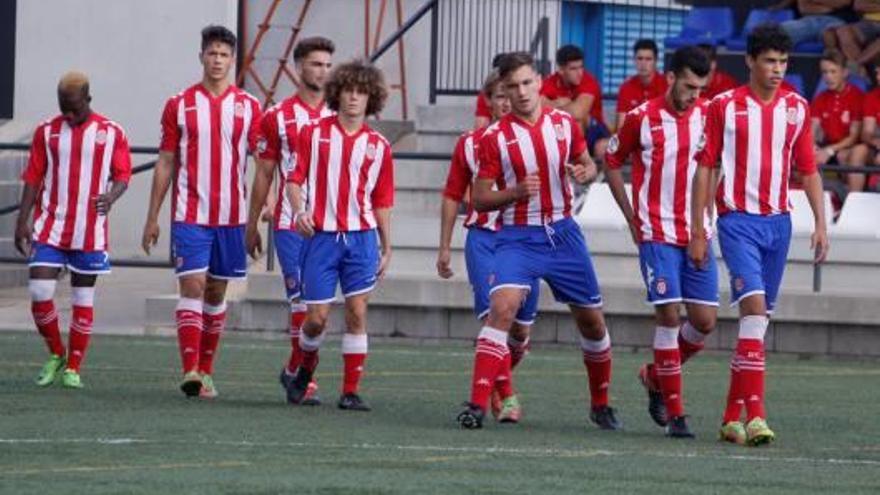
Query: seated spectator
x=837 y=113
x=860 y=42
x=815 y=17
x=573 y=89
x=646 y=85
x=869 y=147
x=719 y=81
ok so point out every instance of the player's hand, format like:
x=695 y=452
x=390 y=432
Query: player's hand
x=443 y=259
x=634 y=233
x=528 y=187
x=383 y=263
x=304 y=224
x=582 y=173
x=103 y=203
x=23 y=233
x=150 y=236
x=253 y=241
x=697 y=250
x=820 y=245
x=822 y=156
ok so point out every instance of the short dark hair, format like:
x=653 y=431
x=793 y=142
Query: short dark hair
x=568 y=53
x=689 y=57
x=710 y=50
x=492 y=81
x=497 y=59
x=767 y=37
x=313 y=44
x=357 y=74
x=214 y=33
x=513 y=61
x=645 y=44
x=834 y=56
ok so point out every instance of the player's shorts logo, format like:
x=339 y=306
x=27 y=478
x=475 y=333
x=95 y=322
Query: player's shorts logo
x=560 y=132
x=239 y=109
x=101 y=137
x=179 y=261
x=613 y=144
x=290 y=282
x=371 y=151
x=739 y=284
x=661 y=286
x=791 y=115
x=491 y=279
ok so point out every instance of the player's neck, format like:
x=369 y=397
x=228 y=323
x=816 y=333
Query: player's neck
x=670 y=104
x=351 y=124
x=764 y=94
x=530 y=118
x=646 y=80
x=311 y=98
x=215 y=87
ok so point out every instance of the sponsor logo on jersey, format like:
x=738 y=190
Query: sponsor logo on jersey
x=239 y=109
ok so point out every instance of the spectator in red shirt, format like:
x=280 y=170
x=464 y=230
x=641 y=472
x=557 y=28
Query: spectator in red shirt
x=646 y=85
x=837 y=112
x=719 y=81
x=870 y=141
x=574 y=90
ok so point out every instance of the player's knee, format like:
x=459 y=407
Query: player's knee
x=215 y=291
x=590 y=323
x=519 y=331
x=503 y=309
x=316 y=320
x=192 y=287
x=703 y=323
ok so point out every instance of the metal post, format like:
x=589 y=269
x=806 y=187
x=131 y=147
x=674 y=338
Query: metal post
x=432 y=86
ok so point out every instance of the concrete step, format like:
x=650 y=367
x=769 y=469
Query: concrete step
x=420 y=174
x=13 y=275
x=10 y=192
x=445 y=118
x=436 y=141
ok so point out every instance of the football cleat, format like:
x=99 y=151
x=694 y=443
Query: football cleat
x=606 y=418
x=495 y=403
x=191 y=384
x=50 y=371
x=352 y=402
x=311 y=398
x=758 y=433
x=733 y=432
x=656 y=406
x=678 y=428
x=208 y=390
x=510 y=410
x=298 y=386
x=471 y=418
x=71 y=379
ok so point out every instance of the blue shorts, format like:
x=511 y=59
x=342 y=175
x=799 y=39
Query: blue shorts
x=84 y=262
x=350 y=259
x=479 y=255
x=289 y=246
x=557 y=253
x=595 y=132
x=218 y=250
x=755 y=248
x=671 y=277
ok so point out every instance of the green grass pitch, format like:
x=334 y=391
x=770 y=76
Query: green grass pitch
x=132 y=431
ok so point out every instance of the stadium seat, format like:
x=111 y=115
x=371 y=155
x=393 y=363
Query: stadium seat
x=802 y=215
x=600 y=210
x=711 y=25
x=797 y=81
x=854 y=79
x=809 y=47
x=756 y=18
x=858 y=218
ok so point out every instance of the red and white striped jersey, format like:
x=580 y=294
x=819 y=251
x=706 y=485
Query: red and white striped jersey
x=756 y=144
x=664 y=144
x=210 y=136
x=280 y=126
x=511 y=149
x=70 y=166
x=348 y=176
x=462 y=174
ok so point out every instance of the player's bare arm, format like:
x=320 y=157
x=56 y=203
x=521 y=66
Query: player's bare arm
x=103 y=202
x=259 y=192
x=305 y=225
x=448 y=213
x=161 y=181
x=383 y=225
x=698 y=246
x=583 y=169
x=819 y=240
x=614 y=176
x=23 y=228
x=485 y=199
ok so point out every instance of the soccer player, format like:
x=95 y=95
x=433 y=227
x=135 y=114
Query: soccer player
x=276 y=149
x=837 y=113
x=79 y=166
x=349 y=174
x=758 y=132
x=480 y=250
x=207 y=130
x=719 y=81
x=525 y=160
x=645 y=85
x=663 y=137
x=573 y=89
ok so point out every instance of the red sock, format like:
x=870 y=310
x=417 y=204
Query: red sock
x=80 y=331
x=488 y=360
x=518 y=350
x=690 y=342
x=354 y=355
x=46 y=320
x=667 y=363
x=309 y=347
x=597 y=360
x=750 y=353
x=212 y=328
x=504 y=380
x=733 y=411
x=189 y=330
x=297 y=317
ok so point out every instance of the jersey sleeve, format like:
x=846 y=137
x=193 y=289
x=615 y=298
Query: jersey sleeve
x=623 y=98
x=547 y=89
x=871 y=106
x=300 y=170
x=383 y=193
x=459 y=177
x=489 y=158
x=120 y=165
x=804 y=149
x=856 y=111
x=624 y=142
x=253 y=135
x=37 y=161
x=269 y=144
x=483 y=109
x=170 y=130
x=713 y=135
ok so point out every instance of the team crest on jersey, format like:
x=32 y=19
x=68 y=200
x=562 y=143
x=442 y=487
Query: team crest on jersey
x=239 y=109
x=371 y=151
x=739 y=284
x=262 y=145
x=101 y=137
x=661 y=286
x=613 y=144
x=791 y=115
x=560 y=132
x=702 y=142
